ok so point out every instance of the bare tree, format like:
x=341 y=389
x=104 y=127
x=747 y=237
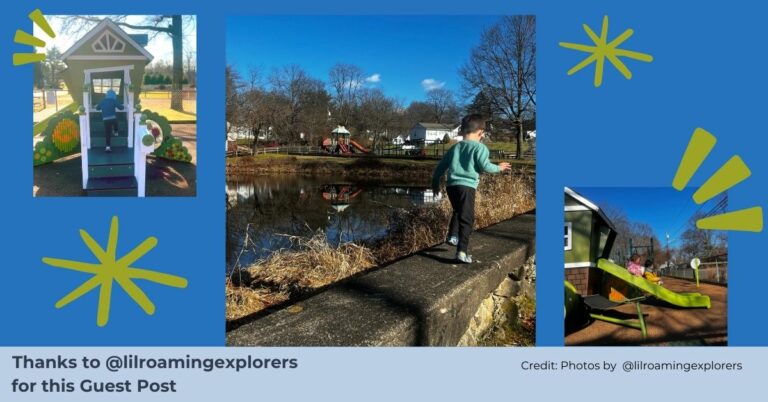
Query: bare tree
x=377 y=114
x=190 y=63
x=443 y=103
x=291 y=83
x=172 y=25
x=503 y=67
x=346 y=80
x=233 y=84
x=313 y=119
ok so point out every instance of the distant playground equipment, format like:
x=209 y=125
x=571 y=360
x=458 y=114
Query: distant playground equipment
x=341 y=142
x=593 y=283
x=107 y=58
x=340 y=196
x=695 y=264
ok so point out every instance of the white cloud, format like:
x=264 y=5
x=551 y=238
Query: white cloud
x=373 y=79
x=430 y=83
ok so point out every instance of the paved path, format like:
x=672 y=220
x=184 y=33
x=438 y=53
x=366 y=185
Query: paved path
x=666 y=324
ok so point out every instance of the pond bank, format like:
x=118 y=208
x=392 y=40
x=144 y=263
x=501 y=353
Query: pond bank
x=358 y=167
x=424 y=299
x=314 y=263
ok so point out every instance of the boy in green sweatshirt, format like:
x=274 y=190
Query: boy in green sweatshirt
x=464 y=163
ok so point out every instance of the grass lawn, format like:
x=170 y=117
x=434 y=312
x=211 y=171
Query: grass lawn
x=40 y=127
x=394 y=163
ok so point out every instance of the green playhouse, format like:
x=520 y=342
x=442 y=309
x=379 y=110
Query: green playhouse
x=107 y=58
x=589 y=239
x=589 y=235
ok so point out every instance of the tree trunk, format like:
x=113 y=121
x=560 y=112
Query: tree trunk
x=178 y=64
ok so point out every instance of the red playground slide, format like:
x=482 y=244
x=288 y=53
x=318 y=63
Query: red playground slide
x=359 y=147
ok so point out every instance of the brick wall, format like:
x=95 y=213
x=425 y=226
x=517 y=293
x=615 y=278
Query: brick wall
x=586 y=280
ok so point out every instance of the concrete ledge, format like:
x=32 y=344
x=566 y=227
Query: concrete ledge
x=424 y=299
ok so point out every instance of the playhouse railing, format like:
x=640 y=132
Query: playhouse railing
x=129 y=108
x=140 y=152
x=85 y=137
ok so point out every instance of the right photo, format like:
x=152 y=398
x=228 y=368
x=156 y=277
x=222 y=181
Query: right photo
x=638 y=271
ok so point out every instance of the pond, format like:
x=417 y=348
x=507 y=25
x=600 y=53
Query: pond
x=264 y=212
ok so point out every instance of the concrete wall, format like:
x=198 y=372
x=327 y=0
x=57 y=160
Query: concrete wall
x=424 y=299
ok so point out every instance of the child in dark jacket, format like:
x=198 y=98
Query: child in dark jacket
x=108 y=105
x=464 y=163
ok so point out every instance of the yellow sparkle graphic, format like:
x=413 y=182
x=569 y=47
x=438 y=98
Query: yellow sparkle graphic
x=110 y=269
x=604 y=49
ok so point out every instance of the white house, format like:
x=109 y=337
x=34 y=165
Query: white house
x=399 y=140
x=433 y=132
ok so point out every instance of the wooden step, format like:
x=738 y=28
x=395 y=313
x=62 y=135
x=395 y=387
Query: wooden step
x=97 y=156
x=112 y=186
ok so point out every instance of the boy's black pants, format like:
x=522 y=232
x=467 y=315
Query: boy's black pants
x=110 y=126
x=463 y=219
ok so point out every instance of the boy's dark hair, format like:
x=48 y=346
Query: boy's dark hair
x=471 y=123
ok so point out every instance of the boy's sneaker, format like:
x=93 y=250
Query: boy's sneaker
x=108 y=149
x=461 y=256
x=453 y=241
x=116 y=133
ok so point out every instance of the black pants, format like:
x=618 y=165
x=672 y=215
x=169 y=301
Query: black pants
x=110 y=127
x=463 y=219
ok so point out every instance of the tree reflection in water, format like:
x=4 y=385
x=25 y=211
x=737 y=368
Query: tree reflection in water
x=268 y=210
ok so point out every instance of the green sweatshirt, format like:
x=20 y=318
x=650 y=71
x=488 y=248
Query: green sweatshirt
x=464 y=162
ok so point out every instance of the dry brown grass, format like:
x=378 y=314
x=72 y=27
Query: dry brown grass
x=313 y=263
x=498 y=198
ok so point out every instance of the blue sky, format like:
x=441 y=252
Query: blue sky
x=403 y=51
x=664 y=208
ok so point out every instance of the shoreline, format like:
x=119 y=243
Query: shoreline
x=362 y=167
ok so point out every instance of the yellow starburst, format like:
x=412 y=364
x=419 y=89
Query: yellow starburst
x=604 y=49
x=112 y=269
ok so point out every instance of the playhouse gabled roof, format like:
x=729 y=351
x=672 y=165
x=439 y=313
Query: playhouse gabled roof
x=589 y=204
x=107 y=24
x=340 y=130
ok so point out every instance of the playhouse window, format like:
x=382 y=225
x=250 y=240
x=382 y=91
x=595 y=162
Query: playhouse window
x=102 y=85
x=568 y=235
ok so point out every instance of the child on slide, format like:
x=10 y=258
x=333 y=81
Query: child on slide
x=649 y=274
x=634 y=267
x=464 y=163
x=107 y=107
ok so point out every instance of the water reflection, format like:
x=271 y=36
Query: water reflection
x=265 y=211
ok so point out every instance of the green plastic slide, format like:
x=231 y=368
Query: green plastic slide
x=660 y=292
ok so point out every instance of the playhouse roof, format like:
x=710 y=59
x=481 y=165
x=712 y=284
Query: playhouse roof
x=109 y=26
x=340 y=130
x=589 y=204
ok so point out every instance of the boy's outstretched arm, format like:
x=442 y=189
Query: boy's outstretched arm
x=484 y=161
x=438 y=173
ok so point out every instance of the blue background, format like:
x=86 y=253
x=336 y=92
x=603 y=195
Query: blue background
x=708 y=71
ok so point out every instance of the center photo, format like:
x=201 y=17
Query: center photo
x=381 y=180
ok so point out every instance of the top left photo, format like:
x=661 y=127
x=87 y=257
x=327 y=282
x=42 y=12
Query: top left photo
x=115 y=106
